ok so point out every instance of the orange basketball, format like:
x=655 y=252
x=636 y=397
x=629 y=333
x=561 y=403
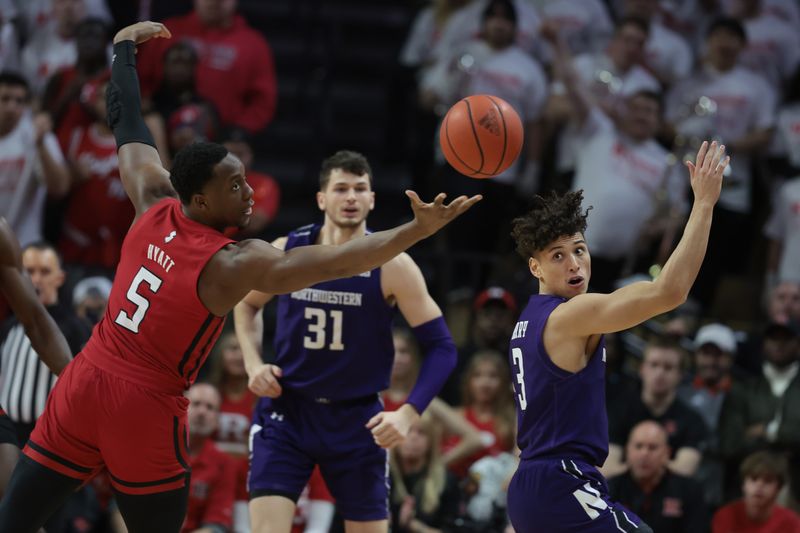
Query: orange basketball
x=481 y=136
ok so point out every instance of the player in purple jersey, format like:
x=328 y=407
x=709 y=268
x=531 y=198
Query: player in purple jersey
x=334 y=355
x=558 y=357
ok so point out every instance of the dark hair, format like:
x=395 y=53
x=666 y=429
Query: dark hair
x=43 y=246
x=15 y=79
x=346 y=160
x=551 y=217
x=181 y=46
x=666 y=342
x=93 y=22
x=650 y=95
x=764 y=463
x=193 y=167
x=728 y=24
x=639 y=22
x=507 y=8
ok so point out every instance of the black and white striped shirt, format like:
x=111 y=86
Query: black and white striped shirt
x=25 y=381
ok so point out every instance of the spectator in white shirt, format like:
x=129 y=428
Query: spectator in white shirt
x=667 y=54
x=733 y=104
x=499 y=67
x=585 y=25
x=31 y=162
x=54 y=47
x=626 y=176
x=773 y=44
x=783 y=231
x=609 y=78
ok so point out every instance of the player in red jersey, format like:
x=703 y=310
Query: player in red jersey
x=120 y=405
x=40 y=328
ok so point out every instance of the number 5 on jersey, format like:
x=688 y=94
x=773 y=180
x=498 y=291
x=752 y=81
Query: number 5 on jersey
x=131 y=323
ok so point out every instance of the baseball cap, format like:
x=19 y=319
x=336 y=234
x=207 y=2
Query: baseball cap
x=495 y=294
x=719 y=335
x=92 y=286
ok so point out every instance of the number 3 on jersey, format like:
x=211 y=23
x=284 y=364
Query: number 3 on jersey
x=516 y=354
x=131 y=323
x=318 y=330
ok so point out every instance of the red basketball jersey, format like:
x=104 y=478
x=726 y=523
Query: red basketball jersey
x=156 y=332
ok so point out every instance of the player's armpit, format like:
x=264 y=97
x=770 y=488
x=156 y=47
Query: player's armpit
x=402 y=281
x=593 y=313
x=144 y=179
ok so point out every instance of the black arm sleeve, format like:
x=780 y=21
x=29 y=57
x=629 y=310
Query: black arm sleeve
x=123 y=101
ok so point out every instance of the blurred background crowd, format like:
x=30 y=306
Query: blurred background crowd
x=704 y=404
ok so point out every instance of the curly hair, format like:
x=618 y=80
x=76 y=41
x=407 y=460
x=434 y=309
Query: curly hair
x=193 y=167
x=551 y=217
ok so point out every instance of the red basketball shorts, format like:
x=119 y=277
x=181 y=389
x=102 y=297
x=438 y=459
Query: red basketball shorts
x=94 y=419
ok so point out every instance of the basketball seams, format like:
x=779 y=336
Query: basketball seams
x=475 y=134
x=453 y=150
x=505 y=135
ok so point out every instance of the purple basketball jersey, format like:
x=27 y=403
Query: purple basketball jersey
x=334 y=340
x=560 y=414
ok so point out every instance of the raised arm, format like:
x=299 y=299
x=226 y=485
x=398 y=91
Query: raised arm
x=592 y=313
x=46 y=339
x=564 y=70
x=144 y=178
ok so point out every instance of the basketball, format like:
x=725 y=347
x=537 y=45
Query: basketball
x=481 y=136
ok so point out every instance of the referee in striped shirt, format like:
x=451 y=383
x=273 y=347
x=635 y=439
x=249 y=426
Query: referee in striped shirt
x=25 y=381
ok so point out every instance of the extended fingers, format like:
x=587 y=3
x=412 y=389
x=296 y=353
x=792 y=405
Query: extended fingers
x=701 y=155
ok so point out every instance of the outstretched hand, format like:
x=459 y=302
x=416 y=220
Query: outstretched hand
x=141 y=32
x=431 y=217
x=706 y=172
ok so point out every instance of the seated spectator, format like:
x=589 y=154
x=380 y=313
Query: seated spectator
x=424 y=495
x=62 y=95
x=715 y=350
x=31 y=162
x=724 y=100
x=763 y=474
x=236 y=411
x=782 y=306
x=404 y=375
x=765 y=412
x=266 y=190
x=98 y=213
x=212 y=488
x=687 y=433
x=26 y=381
x=783 y=231
x=90 y=298
x=665 y=501
x=235 y=69
x=636 y=192
x=493 y=319
x=48 y=51
x=487 y=404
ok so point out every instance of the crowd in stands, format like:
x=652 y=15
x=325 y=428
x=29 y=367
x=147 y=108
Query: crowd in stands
x=703 y=404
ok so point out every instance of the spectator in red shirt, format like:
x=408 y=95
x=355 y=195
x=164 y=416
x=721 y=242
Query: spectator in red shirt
x=236 y=411
x=487 y=404
x=763 y=474
x=212 y=489
x=235 y=72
